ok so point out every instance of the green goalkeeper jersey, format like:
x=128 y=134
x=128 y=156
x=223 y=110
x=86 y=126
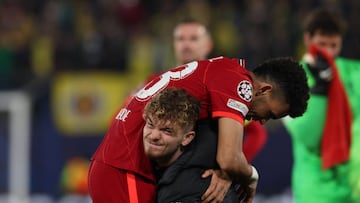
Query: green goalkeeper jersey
x=311 y=184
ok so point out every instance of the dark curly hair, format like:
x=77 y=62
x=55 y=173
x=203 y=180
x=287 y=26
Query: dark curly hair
x=175 y=105
x=289 y=82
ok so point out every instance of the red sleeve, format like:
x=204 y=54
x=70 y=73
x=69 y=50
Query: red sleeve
x=229 y=115
x=255 y=139
x=230 y=89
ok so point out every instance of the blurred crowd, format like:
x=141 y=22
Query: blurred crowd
x=41 y=37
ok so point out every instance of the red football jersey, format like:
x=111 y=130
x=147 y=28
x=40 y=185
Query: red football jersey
x=223 y=86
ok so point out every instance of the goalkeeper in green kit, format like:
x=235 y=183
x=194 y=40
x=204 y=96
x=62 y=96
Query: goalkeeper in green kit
x=326 y=139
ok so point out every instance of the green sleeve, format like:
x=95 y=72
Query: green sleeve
x=308 y=128
x=349 y=70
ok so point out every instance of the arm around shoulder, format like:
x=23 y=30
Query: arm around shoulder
x=230 y=156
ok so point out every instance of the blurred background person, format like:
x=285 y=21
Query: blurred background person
x=192 y=41
x=322 y=136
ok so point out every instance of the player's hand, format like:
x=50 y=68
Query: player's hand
x=218 y=187
x=319 y=65
x=247 y=191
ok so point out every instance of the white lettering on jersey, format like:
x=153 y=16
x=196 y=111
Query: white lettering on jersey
x=146 y=92
x=123 y=114
x=238 y=106
x=244 y=90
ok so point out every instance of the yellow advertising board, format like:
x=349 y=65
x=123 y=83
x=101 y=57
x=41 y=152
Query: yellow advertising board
x=83 y=103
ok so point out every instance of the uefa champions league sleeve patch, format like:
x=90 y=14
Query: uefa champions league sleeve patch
x=244 y=90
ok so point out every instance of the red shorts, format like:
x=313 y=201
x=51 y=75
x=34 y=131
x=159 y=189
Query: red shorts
x=112 y=185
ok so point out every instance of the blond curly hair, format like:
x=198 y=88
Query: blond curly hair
x=174 y=105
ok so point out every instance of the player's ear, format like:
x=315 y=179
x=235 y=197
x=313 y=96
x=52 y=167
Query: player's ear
x=188 y=137
x=263 y=89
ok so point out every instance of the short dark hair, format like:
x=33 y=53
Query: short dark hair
x=324 y=21
x=190 y=20
x=289 y=78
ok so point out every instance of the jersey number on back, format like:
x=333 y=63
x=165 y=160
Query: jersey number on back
x=153 y=88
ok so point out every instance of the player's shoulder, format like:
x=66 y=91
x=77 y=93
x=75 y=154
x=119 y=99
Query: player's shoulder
x=226 y=62
x=219 y=59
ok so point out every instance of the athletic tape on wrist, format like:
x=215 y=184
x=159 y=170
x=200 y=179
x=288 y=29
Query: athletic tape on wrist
x=254 y=174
